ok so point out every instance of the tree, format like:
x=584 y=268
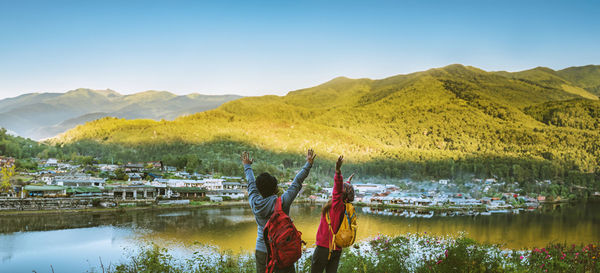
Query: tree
x=7 y=173
x=120 y=175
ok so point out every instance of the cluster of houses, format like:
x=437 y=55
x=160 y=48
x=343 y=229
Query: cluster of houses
x=144 y=181
x=149 y=180
x=435 y=195
x=7 y=162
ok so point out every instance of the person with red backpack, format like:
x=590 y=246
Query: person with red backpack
x=278 y=243
x=338 y=212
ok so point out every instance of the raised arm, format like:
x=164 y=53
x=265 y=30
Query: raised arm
x=252 y=189
x=288 y=196
x=338 y=180
x=349 y=181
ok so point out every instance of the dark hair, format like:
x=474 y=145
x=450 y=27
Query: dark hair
x=266 y=184
x=347 y=197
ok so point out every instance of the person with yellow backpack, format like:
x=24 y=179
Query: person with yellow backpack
x=337 y=228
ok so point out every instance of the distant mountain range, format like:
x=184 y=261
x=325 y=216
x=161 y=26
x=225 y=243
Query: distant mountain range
x=43 y=115
x=438 y=115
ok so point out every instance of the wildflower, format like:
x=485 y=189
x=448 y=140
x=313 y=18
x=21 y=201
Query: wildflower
x=547 y=256
x=439 y=262
x=521 y=257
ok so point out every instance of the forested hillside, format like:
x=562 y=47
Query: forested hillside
x=454 y=121
x=22 y=149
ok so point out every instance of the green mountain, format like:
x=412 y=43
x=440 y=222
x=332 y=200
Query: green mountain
x=587 y=77
x=577 y=113
x=436 y=123
x=40 y=116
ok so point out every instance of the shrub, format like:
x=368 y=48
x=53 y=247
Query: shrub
x=407 y=253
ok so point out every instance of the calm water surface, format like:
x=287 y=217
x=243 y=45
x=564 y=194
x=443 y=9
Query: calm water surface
x=76 y=242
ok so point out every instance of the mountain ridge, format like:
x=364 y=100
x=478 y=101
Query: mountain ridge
x=43 y=115
x=438 y=114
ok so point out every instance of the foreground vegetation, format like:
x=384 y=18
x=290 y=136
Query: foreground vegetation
x=408 y=253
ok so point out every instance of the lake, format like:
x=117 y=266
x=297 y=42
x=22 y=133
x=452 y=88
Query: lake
x=76 y=242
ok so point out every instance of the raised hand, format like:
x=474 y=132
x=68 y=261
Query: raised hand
x=246 y=158
x=310 y=156
x=338 y=164
x=350 y=178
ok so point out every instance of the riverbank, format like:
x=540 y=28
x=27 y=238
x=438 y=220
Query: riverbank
x=126 y=208
x=406 y=253
x=153 y=205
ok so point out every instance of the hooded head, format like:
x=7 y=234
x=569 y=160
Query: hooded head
x=266 y=184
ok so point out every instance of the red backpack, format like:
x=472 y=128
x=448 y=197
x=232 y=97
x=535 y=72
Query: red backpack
x=284 y=245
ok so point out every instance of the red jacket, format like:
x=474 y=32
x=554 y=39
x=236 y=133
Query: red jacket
x=324 y=237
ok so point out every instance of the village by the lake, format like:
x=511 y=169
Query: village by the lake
x=56 y=185
x=299 y=136
x=154 y=210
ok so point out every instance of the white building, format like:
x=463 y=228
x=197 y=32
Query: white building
x=51 y=162
x=182 y=174
x=234 y=194
x=234 y=186
x=490 y=181
x=79 y=181
x=47 y=179
x=368 y=188
x=108 y=167
x=213 y=184
x=182 y=183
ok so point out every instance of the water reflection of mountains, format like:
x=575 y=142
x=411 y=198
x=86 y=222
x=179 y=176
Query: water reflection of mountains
x=149 y=219
x=547 y=222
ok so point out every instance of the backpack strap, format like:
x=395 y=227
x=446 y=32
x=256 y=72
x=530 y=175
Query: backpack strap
x=270 y=243
x=331 y=243
x=269 y=259
x=350 y=217
x=333 y=234
x=277 y=205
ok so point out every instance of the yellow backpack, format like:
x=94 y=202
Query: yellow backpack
x=347 y=233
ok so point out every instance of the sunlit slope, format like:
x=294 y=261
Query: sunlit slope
x=440 y=113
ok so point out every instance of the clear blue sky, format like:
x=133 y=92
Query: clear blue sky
x=254 y=48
